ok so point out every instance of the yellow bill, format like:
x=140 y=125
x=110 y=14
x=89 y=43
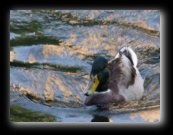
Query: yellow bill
x=92 y=86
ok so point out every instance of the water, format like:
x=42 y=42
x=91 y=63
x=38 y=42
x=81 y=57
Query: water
x=51 y=52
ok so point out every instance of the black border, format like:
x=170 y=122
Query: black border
x=4 y=99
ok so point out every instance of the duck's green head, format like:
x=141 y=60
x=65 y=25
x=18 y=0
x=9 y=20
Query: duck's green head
x=99 y=77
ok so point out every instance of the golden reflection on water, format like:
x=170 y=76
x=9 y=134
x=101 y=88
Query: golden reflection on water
x=12 y=54
x=148 y=115
x=62 y=87
x=49 y=92
x=49 y=50
x=32 y=58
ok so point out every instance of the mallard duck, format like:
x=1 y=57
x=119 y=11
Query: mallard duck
x=114 y=81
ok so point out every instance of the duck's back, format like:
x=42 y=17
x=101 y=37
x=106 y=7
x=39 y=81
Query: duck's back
x=125 y=77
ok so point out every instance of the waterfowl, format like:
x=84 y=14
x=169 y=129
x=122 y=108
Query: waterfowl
x=114 y=81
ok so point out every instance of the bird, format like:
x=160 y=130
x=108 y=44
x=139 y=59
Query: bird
x=115 y=81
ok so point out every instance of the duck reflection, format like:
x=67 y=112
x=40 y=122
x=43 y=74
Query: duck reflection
x=98 y=118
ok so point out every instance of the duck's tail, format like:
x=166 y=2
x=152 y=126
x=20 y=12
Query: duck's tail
x=129 y=53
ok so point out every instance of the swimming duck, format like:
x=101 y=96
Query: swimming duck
x=115 y=81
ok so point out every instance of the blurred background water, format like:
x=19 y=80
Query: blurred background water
x=51 y=53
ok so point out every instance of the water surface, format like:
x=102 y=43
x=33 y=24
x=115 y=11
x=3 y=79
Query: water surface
x=51 y=53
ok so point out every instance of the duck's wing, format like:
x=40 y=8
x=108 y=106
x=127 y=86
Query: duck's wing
x=122 y=71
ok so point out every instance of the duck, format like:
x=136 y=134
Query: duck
x=115 y=81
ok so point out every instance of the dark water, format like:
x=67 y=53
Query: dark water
x=51 y=52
